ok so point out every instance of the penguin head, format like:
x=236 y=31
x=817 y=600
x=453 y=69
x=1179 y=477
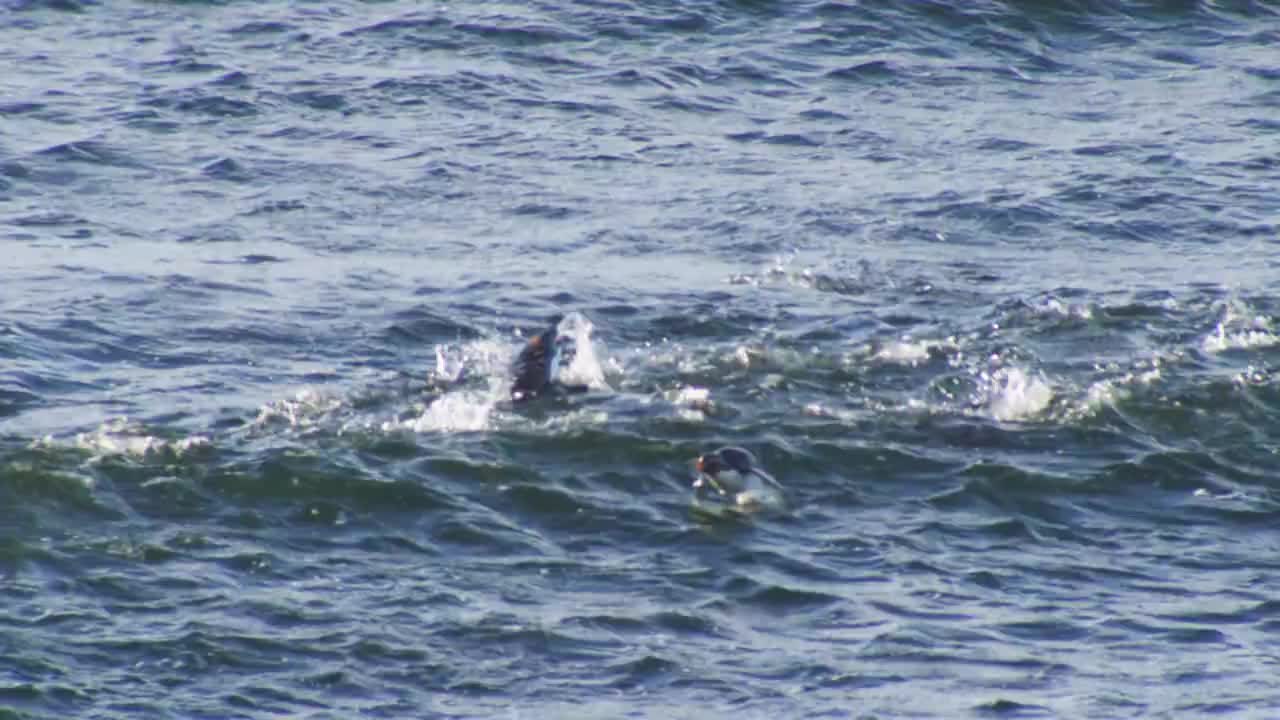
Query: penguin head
x=726 y=470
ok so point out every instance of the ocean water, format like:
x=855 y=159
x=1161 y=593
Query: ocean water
x=989 y=287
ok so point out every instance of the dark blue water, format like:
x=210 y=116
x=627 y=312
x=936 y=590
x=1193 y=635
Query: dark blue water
x=990 y=288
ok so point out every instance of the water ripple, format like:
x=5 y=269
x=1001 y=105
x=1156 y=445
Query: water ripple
x=986 y=287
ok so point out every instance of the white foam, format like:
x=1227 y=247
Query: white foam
x=776 y=270
x=1240 y=329
x=1107 y=392
x=824 y=411
x=574 y=420
x=462 y=411
x=691 y=396
x=691 y=402
x=1221 y=340
x=1054 y=306
x=905 y=351
x=124 y=437
x=1102 y=393
x=760 y=356
x=772 y=381
x=782 y=270
x=305 y=409
x=1015 y=396
x=1252 y=375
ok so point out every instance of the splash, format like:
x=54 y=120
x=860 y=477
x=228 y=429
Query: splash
x=462 y=407
x=585 y=368
x=1016 y=396
x=486 y=358
x=476 y=379
x=450 y=364
x=463 y=411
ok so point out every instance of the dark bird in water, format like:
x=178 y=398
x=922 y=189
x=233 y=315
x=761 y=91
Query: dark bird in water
x=734 y=476
x=537 y=368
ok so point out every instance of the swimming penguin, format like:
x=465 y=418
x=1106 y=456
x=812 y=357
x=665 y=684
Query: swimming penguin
x=732 y=474
x=537 y=368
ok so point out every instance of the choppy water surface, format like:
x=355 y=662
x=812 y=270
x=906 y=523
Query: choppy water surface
x=989 y=287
